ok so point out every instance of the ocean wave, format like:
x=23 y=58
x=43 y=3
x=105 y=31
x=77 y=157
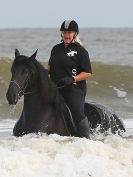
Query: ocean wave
x=109 y=84
x=104 y=75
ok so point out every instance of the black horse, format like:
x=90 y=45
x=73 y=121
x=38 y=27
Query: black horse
x=44 y=109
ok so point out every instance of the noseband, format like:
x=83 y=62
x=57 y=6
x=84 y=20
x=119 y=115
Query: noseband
x=21 y=91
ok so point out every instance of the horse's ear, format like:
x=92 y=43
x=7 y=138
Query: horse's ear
x=17 y=53
x=34 y=55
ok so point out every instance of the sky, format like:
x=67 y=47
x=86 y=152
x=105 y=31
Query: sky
x=51 y=13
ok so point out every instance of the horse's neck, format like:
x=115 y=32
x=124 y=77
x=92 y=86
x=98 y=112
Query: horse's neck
x=46 y=95
x=32 y=101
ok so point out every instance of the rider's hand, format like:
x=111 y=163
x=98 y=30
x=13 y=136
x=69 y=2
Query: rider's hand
x=66 y=81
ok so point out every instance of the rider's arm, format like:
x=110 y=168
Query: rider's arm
x=82 y=76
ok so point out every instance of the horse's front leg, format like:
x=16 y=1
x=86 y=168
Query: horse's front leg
x=19 y=129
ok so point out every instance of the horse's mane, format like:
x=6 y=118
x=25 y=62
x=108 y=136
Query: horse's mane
x=48 y=91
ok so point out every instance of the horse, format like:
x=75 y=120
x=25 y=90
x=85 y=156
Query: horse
x=44 y=109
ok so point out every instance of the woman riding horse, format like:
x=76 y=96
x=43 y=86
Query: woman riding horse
x=44 y=109
x=69 y=67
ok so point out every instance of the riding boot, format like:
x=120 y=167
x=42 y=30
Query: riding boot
x=84 y=128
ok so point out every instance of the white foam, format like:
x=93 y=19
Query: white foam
x=128 y=123
x=120 y=93
x=56 y=156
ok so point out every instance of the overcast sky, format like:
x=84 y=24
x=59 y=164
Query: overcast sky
x=51 y=13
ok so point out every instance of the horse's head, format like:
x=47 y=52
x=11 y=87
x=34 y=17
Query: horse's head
x=21 y=75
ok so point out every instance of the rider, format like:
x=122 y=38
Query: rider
x=69 y=67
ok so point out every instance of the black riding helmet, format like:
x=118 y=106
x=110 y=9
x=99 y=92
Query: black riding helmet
x=69 y=25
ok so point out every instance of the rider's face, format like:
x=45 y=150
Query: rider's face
x=68 y=36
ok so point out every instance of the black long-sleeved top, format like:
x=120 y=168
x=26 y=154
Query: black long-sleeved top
x=69 y=61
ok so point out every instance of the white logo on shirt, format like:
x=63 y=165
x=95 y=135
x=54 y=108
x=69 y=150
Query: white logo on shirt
x=71 y=53
x=74 y=72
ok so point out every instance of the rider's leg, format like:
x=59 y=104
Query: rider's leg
x=75 y=99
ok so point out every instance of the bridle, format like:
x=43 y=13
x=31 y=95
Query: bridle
x=21 y=90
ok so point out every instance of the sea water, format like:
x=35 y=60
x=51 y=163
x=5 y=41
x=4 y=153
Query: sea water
x=41 y=155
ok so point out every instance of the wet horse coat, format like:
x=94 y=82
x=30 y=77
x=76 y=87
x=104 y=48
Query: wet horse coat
x=43 y=106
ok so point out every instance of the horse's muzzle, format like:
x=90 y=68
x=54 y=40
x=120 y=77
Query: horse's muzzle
x=12 y=98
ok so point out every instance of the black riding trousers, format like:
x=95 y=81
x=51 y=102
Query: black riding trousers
x=74 y=98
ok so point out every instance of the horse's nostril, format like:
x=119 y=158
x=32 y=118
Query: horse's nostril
x=12 y=98
x=15 y=98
